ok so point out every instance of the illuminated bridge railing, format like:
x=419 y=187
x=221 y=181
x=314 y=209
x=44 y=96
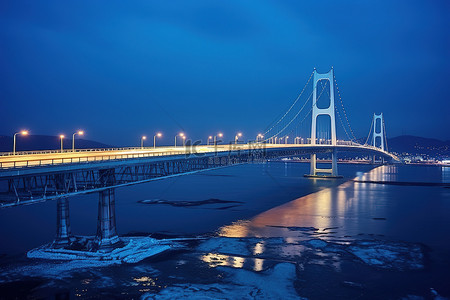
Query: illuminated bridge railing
x=48 y=161
x=70 y=151
x=82 y=159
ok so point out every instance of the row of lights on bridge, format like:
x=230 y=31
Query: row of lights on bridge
x=61 y=137
x=212 y=140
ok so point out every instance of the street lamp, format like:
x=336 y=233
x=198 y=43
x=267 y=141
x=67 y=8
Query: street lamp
x=61 y=137
x=159 y=134
x=180 y=134
x=286 y=139
x=79 y=132
x=259 y=136
x=215 y=138
x=209 y=138
x=184 y=140
x=143 y=138
x=236 y=138
x=23 y=132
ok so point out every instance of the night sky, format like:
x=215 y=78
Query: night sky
x=120 y=69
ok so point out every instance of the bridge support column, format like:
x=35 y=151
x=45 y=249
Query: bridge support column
x=107 y=237
x=334 y=169
x=329 y=111
x=313 y=165
x=63 y=231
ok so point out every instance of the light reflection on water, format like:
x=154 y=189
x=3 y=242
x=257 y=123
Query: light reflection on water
x=446 y=174
x=382 y=173
x=215 y=260
x=354 y=208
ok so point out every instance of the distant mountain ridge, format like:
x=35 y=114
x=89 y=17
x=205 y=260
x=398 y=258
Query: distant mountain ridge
x=419 y=146
x=45 y=142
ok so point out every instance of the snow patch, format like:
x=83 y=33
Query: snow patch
x=276 y=283
x=134 y=250
x=389 y=255
x=225 y=245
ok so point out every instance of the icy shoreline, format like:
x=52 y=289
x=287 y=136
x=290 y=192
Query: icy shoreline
x=135 y=249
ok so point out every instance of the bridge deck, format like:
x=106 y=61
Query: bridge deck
x=50 y=158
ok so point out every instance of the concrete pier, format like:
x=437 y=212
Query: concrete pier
x=63 y=231
x=334 y=169
x=323 y=173
x=107 y=237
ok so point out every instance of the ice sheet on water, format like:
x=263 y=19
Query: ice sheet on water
x=377 y=253
x=226 y=245
x=134 y=250
x=389 y=255
x=62 y=263
x=317 y=243
x=275 y=283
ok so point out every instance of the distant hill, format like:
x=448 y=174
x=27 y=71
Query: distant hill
x=45 y=142
x=419 y=146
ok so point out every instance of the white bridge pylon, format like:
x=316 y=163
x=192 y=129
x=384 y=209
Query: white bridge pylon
x=378 y=134
x=329 y=111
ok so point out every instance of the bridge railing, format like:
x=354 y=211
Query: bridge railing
x=83 y=159
x=70 y=150
x=101 y=157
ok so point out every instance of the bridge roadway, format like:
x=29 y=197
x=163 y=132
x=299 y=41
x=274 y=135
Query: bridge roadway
x=24 y=160
x=27 y=178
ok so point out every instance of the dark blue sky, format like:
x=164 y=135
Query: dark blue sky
x=119 y=69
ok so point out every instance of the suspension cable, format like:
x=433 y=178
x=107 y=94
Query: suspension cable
x=296 y=115
x=290 y=108
x=370 y=131
x=343 y=108
x=317 y=99
x=385 y=136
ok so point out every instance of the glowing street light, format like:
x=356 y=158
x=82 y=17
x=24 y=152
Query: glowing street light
x=286 y=139
x=159 y=134
x=23 y=132
x=180 y=134
x=236 y=138
x=258 y=137
x=143 y=138
x=79 y=132
x=215 y=138
x=61 y=137
x=184 y=140
x=209 y=138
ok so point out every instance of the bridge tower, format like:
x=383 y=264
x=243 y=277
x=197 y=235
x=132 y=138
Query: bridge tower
x=329 y=111
x=379 y=134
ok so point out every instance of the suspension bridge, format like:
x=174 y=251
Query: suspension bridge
x=32 y=177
